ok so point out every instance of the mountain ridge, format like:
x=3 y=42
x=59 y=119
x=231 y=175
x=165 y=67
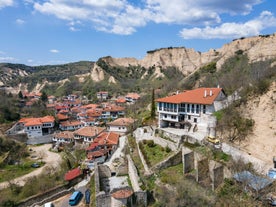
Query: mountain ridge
x=14 y=77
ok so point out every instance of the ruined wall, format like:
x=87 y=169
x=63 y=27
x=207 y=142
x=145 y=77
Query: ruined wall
x=140 y=196
x=133 y=174
x=206 y=171
x=188 y=160
x=104 y=171
x=46 y=196
x=102 y=200
x=173 y=160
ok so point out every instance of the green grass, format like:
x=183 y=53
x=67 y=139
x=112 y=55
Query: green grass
x=9 y=172
x=154 y=153
x=172 y=175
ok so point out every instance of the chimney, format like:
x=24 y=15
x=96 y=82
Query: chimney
x=205 y=93
x=211 y=92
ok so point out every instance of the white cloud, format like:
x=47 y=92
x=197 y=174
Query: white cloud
x=5 y=3
x=232 y=30
x=20 y=21
x=7 y=59
x=124 y=17
x=54 y=51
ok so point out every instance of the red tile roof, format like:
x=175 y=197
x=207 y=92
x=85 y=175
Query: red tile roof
x=62 y=117
x=121 y=122
x=37 y=121
x=64 y=135
x=71 y=123
x=89 y=131
x=197 y=96
x=95 y=154
x=72 y=174
x=134 y=96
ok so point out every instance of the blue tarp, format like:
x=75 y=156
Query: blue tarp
x=253 y=181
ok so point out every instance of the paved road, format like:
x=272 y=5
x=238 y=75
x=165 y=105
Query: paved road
x=64 y=201
x=50 y=158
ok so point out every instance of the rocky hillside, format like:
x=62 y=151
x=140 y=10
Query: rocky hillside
x=17 y=77
x=188 y=60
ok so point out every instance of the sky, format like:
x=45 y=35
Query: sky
x=42 y=32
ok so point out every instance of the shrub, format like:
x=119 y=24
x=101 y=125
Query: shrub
x=167 y=149
x=150 y=143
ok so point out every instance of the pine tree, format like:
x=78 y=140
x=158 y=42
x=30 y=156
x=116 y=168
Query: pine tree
x=152 y=114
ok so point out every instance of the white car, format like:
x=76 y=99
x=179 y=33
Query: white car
x=49 y=204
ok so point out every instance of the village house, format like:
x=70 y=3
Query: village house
x=120 y=125
x=70 y=125
x=112 y=112
x=87 y=134
x=63 y=137
x=132 y=97
x=193 y=106
x=35 y=127
x=103 y=146
x=102 y=95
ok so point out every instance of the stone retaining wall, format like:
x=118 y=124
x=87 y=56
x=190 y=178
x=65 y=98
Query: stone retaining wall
x=173 y=160
x=46 y=196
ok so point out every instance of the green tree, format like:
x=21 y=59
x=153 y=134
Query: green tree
x=152 y=112
x=20 y=95
x=44 y=96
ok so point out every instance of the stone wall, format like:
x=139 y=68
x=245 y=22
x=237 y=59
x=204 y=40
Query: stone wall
x=188 y=160
x=205 y=170
x=102 y=199
x=133 y=174
x=140 y=196
x=46 y=196
x=173 y=160
x=104 y=171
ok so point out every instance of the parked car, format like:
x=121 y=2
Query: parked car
x=213 y=140
x=75 y=198
x=49 y=204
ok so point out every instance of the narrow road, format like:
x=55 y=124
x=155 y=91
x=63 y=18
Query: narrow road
x=51 y=159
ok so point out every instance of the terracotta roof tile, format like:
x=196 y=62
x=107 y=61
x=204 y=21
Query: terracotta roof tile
x=64 y=135
x=72 y=174
x=89 y=131
x=121 y=122
x=196 y=96
x=70 y=123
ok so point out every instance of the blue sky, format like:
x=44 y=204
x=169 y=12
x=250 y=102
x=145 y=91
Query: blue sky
x=40 y=32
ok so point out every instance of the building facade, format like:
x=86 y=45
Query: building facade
x=192 y=106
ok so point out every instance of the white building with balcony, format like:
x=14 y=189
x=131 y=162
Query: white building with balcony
x=193 y=106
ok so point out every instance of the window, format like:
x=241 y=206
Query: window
x=204 y=109
x=193 y=108
x=195 y=120
x=188 y=108
x=189 y=117
x=173 y=117
x=197 y=109
x=165 y=116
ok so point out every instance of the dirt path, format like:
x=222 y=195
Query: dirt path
x=50 y=158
